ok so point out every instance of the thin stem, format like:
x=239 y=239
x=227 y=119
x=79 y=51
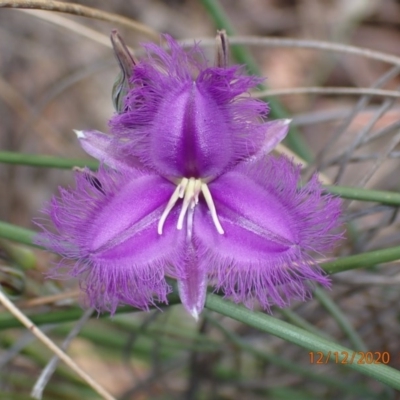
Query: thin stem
x=53 y=347
x=340 y=319
x=44 y=161
x=302 y=323
x=364 y=260
x=338 y=159
x=367 y=175
x=379 y=196
x=348 y=152
x=327 y=90
x=59 y=316
x=332 y=114
x=48 y=371
x=301 y=43
x=302 y=338
x=81 y=11
x=7 y=321
x=17 y=234
x=361 y=104
x=51 y=299
x=22 y=256
x=69 y=24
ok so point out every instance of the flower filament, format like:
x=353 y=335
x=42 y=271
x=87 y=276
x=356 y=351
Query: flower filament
x=189 y=190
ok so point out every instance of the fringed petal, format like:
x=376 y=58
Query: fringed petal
x=272 y=229
x=275 y=132
x=108 y=236
x=107 y=150
x=186 y=119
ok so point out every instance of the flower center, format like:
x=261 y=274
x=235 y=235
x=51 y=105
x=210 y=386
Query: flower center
x=189 y=190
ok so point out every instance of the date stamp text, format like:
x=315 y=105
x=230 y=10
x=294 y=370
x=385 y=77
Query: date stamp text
x=347 y=357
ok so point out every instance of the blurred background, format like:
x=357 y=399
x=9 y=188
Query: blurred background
x=54 y=80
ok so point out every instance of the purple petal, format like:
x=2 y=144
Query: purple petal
x=270 y=227
x=105 y=149
x=192 y=282
x=185 y=126
x=110 y=237
x=275 y=132
x=191 y=275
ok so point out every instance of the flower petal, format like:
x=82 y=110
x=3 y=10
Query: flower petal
x=186 y=119
x=192 y=283
x=105 y=149
x=270 y=226
x=111 y=236
x=275 y=132
x=191 y=275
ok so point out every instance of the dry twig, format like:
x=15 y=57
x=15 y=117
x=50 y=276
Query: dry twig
x=53 y=347
x=300 y=43
x=82 y=11
x=40 y=301
x=48 y=371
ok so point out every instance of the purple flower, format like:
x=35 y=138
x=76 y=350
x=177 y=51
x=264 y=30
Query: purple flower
x=189 y=193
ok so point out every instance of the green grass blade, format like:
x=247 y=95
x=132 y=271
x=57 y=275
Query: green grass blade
x=364 y=260
x=53 y=317
x=33 y=160
x=299 y=321
x=17 y=234
x=379 y=196
x=302 y=338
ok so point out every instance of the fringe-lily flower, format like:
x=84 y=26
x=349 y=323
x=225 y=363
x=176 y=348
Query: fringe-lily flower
x=189 y=193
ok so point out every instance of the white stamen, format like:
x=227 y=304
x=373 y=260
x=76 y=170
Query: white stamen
x=196 y=192
x=178 y=194
x=208 y=198
x=189 y=190
x=186 y=202
x=182 y=187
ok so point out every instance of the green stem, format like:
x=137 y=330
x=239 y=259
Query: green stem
x=54 y=317
x=22 y=256
x=17 y=234
x=242 y=56
x=158 y=329
x=302 y=338
x=364 y=260
x=33 y=160
x=302 y=323
x=379 y=196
